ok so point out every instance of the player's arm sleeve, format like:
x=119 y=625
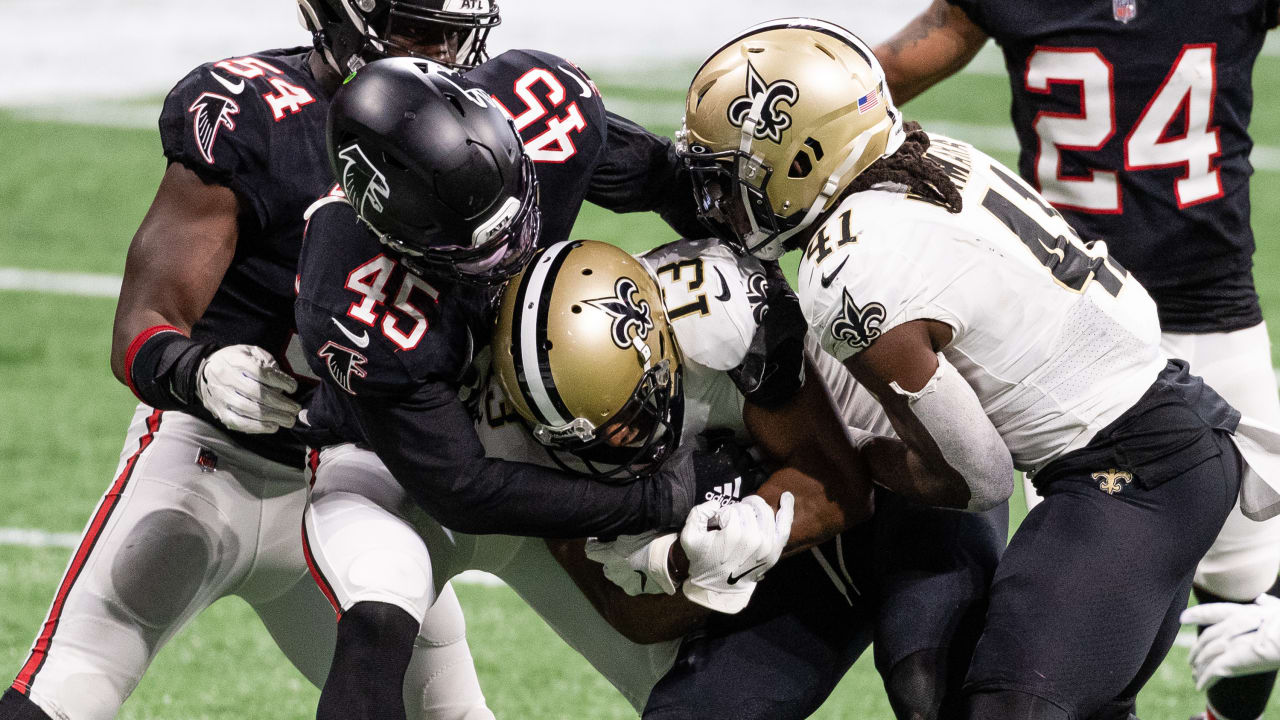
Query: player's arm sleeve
x=429 y=443
x=640 y=171
x=219 y=136
x=773 y=369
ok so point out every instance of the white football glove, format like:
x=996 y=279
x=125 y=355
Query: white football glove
x=728 y=557
x=1241 y=639
x=244 y=388
x=636 y=563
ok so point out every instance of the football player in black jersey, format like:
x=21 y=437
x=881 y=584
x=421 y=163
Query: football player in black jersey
x=461 y=176
x=209 y=492
x=1133 y=122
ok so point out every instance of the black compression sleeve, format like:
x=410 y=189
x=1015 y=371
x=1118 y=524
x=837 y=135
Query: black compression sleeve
x=640 y=171
x=161 y=368
x=430 y=445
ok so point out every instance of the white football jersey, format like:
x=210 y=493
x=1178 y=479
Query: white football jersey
x=1056 y=339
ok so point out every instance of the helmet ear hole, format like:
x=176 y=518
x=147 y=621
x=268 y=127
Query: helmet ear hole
x=801 y=166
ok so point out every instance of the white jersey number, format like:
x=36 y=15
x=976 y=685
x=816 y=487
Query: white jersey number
x=1190 y=84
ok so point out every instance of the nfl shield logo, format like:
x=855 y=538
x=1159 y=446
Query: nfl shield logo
x=1124 y=10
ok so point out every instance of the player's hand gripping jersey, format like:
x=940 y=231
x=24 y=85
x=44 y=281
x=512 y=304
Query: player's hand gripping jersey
x=1023 y=295
x=395 y=345
x=1171 y=195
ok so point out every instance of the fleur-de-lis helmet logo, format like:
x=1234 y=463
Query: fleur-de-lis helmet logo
x=858 y=326
x=632 y=317
x=773 y=121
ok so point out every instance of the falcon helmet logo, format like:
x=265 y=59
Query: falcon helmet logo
x=364 y=184
x=772 y=121
x=858 y=326
x=212 y=111
x=343 y=363
x=632 y=318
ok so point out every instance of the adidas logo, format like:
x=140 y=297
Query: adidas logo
x=726 y=494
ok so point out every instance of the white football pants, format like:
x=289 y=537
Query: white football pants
x=170 y=537
x=369 y=541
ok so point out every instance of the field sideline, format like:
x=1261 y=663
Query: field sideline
x=75 y=192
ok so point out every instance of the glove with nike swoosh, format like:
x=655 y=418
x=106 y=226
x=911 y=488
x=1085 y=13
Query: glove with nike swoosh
x=1240 y=639
x=730 y=549
x=636 y=563
x=243 y=387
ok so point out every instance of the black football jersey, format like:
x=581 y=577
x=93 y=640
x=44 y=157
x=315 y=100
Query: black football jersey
x=393 y=347
x=255 y=124
x=1133 y=117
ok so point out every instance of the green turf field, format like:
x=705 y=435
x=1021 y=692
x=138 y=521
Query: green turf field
x=73 y=194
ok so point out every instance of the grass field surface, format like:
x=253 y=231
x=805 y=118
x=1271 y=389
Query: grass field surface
x=74 y=192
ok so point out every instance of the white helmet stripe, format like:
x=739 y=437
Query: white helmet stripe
x=528 y=333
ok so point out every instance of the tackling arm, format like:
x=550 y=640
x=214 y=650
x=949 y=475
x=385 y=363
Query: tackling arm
x=820 y=466
x=953 y=455
x=933 y=46
x=642 y=619
x=176 y=260
x=175 y=264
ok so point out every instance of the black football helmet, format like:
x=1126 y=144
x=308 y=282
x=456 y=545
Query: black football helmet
x=436 y=169
x=351 y=33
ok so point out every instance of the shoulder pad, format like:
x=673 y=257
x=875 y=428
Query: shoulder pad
x=715 y=300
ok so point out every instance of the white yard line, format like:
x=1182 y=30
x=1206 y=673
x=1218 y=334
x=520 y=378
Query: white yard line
x=60 y=283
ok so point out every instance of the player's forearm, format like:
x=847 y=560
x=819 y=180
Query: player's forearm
x=642 y=619
x=822 y=509
x=896 y=467
x=934 y=45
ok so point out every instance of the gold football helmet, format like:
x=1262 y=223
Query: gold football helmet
x=586 y=356
x=777 y=123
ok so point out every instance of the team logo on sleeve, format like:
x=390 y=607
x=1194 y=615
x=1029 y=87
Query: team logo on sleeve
x=858 y=326
x=343 y=364
x=364 y=184
x=773 y=121
x=632 y=319
x=212 y=111
x=757 y=294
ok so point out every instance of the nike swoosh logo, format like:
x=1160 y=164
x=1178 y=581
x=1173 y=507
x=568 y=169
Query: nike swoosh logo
x=235 y=88
x=828 y=279
x=1062 y=256
x=733 y=579
x=586 y=89
x=724 y=287
x=361 y=340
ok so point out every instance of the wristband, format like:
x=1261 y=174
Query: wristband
x=161 y=365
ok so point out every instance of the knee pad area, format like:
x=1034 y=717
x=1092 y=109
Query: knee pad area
x=159 y=568
x=917 y=685
x=1012 y=705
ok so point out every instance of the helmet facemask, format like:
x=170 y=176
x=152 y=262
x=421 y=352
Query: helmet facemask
x=352 y=33
x=778 y=123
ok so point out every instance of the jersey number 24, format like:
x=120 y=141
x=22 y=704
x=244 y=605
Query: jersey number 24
x=1188 y=90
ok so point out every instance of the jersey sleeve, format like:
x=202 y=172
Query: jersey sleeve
x=640 y=171
x=855 y=292
x=714 y=300
x=219 y=134
x=972 y=8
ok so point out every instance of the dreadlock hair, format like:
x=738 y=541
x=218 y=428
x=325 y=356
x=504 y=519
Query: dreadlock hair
x=908 y=166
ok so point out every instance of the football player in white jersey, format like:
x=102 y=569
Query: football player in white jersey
x=994 y=339
x=584 y=335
